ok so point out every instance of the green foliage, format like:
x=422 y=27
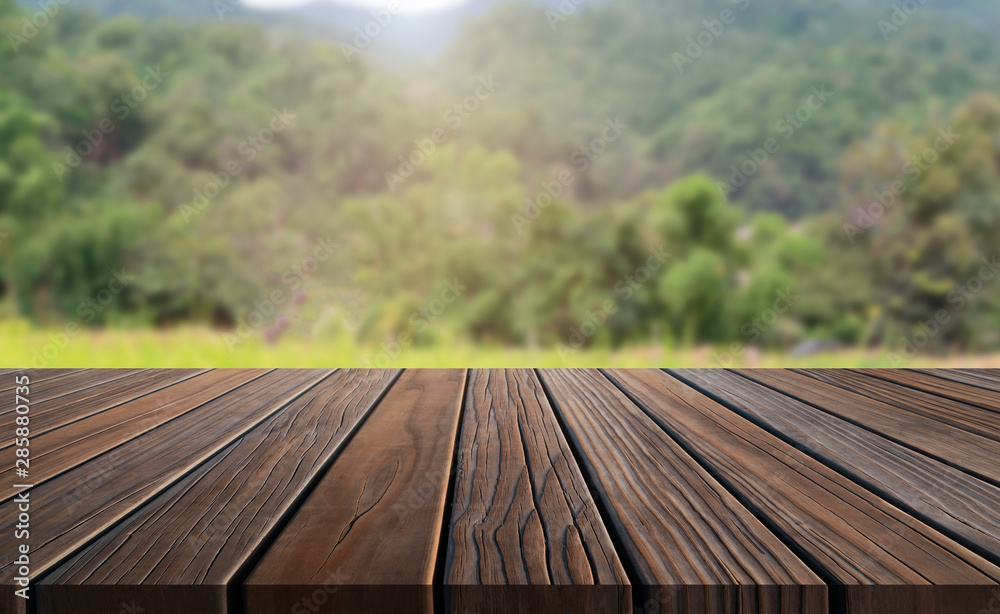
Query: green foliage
x=75 y=257
x=620 y=58
x=554 y=231
x=930 y=251
x=695 y=291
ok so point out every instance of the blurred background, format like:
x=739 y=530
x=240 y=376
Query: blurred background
x=498 y=182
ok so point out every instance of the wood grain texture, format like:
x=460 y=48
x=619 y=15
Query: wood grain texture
x=693 y=491
x=35 y=376
x=58 y=451
x=947 y=498
x=78 y=382
x=522 y=513
x=983 y=378
x=974 y=453
x=50 y=415
x=694 y=546
x=844 y=528
x=949 y=411
x=367 y=536
x=79 y=505
x=192 y=539
x=948 y=388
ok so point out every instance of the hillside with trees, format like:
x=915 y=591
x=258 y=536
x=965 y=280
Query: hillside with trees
x=625 y=173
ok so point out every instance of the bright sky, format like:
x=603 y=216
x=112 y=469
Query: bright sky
x=410 y=6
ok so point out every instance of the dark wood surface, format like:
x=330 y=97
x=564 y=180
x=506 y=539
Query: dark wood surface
x=969 y=451
x=76 y=443
x=687 y=535
x=36 y=376
x=884 y=387
x=49 y=415
x=71 y=510
x=76 y=383
x=522 y=514
x=949 y=499
x=690 y=491
x=941 y=386
x=238 y=498
x=988 y=379
x=373 y=524
x=843 y=528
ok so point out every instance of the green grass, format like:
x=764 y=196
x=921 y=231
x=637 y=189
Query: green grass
x=24 y=346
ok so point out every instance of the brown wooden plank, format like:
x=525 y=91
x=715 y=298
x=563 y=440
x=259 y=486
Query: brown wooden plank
x=178 y=553
x=955 y=413
x=934 y=381
x=35 y=376
x=958 y=391
x=57 y=451
x=372 y=525
x=983 y=378
x=47 y=416
x=951 y=500
x=72 y=509
x=78 y=382
x=108 y=393
x=522 y=514
x=861 y=541
x=694 y=546
x=974 y=453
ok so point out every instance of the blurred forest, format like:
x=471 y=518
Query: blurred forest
x=791 y=175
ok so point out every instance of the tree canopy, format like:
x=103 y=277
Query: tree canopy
x=635 y=170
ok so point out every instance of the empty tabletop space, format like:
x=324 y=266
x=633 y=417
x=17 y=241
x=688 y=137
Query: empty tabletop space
x=525 y=532
x=690 y=540
x=870 y=548
x=238 y=497
x=372 y=526
x=583 y=491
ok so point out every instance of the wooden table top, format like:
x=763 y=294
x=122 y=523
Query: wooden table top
x=355 y=490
